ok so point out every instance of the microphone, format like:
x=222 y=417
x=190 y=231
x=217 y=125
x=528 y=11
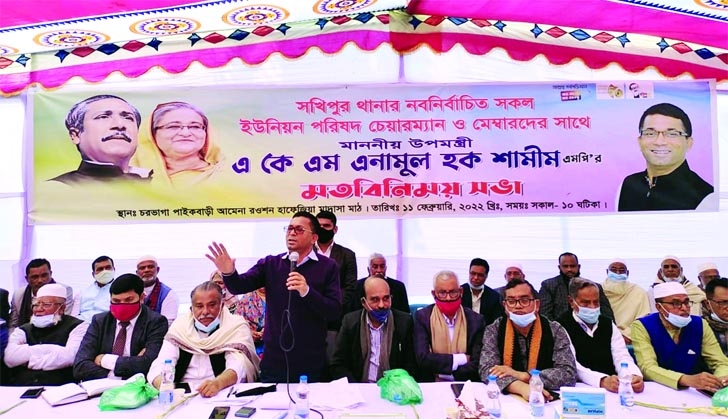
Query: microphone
x=293 y=257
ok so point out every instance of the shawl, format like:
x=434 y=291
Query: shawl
x=365 y=336
x=629 y=302
x=441 y=343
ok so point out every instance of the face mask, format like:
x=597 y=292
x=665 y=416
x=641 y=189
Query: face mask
x=617 y=277
x=718 y=319
x=522 y=320
x=104 y=277
x=48 y=320
x=589 y=315
x=380 y=315
x=478 y=288
x=325 y=236
x=677 y=321
x=124 y=312
x=209 y=328
x=448 y=308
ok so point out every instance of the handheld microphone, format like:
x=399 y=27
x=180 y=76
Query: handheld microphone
x=293 y=257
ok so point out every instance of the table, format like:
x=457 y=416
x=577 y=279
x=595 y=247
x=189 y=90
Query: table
x=437 y=397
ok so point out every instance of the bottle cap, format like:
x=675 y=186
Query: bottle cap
x=303 y=378
x=535 y=372
x=492 y=377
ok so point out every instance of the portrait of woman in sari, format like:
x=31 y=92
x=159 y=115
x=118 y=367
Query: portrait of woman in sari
x=176 y=144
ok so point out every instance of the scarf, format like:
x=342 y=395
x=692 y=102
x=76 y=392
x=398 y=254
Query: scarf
x=233 y=336
x=153 y=298
x=441 y=343
x=365 y=337
x=26 y=309
x=540 y=345
x=695 y=294
x=629 y=302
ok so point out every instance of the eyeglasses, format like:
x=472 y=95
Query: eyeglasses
x=448 y=294
x=174 y=127
x=721 y=304
x=45 y=306
x=677 y=304
x=295 y=229
x=670 y=134
x=514 y=302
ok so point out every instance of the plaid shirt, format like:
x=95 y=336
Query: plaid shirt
x=554 y=295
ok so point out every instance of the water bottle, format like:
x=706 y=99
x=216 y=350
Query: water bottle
x=626 y=394
x=166 y=387
x=535 y=399
x=493 y=404
x=302 y=408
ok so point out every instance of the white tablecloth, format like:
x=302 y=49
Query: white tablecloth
x=437 y=397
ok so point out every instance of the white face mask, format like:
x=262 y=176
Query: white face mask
x=104 y=277
x=47 y=320
x=522 y=320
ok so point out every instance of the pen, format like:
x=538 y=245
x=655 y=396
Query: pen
x=231 y=391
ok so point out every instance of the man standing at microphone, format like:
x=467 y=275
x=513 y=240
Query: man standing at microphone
x=302 y=298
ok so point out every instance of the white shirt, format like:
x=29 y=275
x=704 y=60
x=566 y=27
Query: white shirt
x=619 y=355
x=108 y=361
x=376 y=347
x=476 y=299
x=457 y=359
x=327 y=253
x=46 y=356
x=93 y=300
x=200 y=368
x=170 y=305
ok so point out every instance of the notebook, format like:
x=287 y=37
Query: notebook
x=72 y=392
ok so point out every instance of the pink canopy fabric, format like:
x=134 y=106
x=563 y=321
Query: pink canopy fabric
x=57 y=40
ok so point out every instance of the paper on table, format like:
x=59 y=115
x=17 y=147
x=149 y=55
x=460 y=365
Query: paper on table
x=222 y=396
x=335 y=395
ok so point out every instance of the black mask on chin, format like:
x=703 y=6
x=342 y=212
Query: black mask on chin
x=325 y=236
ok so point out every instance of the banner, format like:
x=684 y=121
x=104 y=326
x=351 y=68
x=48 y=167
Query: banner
x=221 y=152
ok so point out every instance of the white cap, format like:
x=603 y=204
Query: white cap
x=706 y=267
x=52 y=290
x=515 y=265
x=617 y=260
x=668 y=288
x=671 y=257
x=146 y=258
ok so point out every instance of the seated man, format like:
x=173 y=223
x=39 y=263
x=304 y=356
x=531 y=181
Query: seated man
x=715 y=310
x=95 y=298
x=596 y=341
x=37 y=273
x=513 y=271
x=707 y=272
x=479 y=297
x=448 y=336
x=41 y=352
x=629 y=301
x=671 y=271
x=159 y=296
x=524 y=340
x=123 y=341
x=374 y=339
x=210 y=348
x=378 y=267
x=676 y=349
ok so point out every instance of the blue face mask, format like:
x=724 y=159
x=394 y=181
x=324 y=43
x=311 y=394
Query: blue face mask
x=522 y=320
x=677 y=321
x=380 y=315
x=617 y=277
x=209 y=328
x=589 y=315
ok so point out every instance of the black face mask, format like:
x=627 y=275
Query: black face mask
x=325 y=236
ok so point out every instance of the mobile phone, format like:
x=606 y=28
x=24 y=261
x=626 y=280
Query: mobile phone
x=219 y=412
x=184 y=386
x=32 y=393
x=456 y=389
x=245 y=412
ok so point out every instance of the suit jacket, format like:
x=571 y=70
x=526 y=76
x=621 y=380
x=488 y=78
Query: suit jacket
x=554 y=295
x=490 y=303
x=396 y=289
x=346 y=259
x=148 y=334
x=431 y=364
x=347 y=360
x=18 y=301
x=4 y=305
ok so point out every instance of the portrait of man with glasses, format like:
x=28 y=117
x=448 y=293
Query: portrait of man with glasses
x=668 y=183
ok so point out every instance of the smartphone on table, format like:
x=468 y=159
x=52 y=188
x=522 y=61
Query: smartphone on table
x=219 y=412
x=245 y=412
x=32 y=393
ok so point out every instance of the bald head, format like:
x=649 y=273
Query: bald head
x=375 y=284
x=376 y=294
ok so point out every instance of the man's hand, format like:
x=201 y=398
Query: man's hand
x=97 y=360
x=209 y=388
x=702 y=381
x=220 y=257
x=297 y=282
x=638 y=384
x=501 y=371
x=141 y=353
x=610 y=383
x=256 y=335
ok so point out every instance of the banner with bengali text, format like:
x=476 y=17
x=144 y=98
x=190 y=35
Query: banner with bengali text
x=221 y=152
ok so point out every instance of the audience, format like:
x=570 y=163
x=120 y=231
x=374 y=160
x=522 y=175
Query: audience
x=96 y=298
x=41 y=352
x=123 y=341
x=671 y=271
x=706 y=273
x=479 y=297
x=628 y=300
x=159 y=297
x=229 y=300
x=378 y=267
x=513 y=271
x=252 y=307
x=447 y=336
x=715 y=310
x=37 y=273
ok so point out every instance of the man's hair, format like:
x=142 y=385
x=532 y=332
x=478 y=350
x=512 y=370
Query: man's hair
x=376 y=256
x=579 y=283
x=327 y=215
x=315 y=226
x=207 y=286
x=127 y=282
x=480 y=262
x=36 y=263
x=518 y=281
x=713 y=284
x=668 y=109
x=101 y=259
x=568 y=254
x=77 y=113
x=443 y=274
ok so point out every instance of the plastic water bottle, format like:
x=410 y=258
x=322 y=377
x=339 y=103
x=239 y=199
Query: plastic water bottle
x=166 y=387
x=626 y=394
x=493 y=404
x=535 y=399
x=302 y=408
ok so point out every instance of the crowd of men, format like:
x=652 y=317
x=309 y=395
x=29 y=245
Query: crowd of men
x=322 y=322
